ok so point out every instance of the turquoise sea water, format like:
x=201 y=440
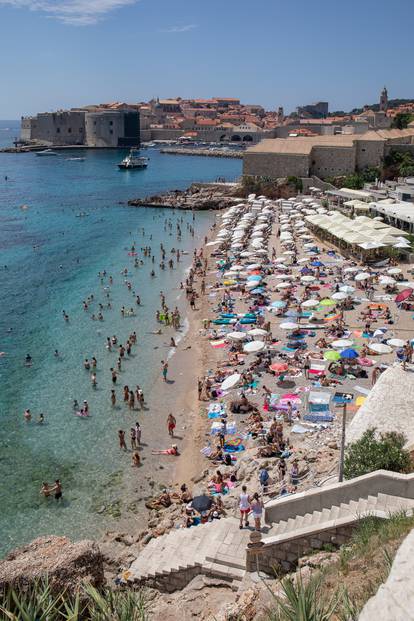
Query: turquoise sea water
x=60 y=272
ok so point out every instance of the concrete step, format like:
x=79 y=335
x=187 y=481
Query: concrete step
x=226 y=573
x=229 y=560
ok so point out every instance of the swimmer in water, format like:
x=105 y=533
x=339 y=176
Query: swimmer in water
x=28 y=360
x=41 y=419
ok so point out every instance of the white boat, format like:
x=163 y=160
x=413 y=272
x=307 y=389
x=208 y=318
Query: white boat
x=45 y=152
x=133 y=160
x=75 y=159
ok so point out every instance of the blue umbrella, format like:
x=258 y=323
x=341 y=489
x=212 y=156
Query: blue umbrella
x=257 y=290
x=317 y=264
x=291 y=313
x=278 y=304
x=253 y=278
x=305 y=270
x=349 y=354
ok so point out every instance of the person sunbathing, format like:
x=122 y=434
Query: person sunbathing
x=161 y=502
x=170 y=451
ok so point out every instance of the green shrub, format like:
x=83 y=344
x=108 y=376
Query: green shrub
x=372 y=452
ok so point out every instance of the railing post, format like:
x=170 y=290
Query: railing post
x=342 y=454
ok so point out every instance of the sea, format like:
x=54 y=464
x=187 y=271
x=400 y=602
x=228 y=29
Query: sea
x=62 y=222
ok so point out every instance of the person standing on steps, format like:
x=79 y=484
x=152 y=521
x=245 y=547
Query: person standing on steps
x=244 y=506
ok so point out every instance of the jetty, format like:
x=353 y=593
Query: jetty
x=204 y=152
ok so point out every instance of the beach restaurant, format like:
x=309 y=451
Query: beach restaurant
x=363 y=237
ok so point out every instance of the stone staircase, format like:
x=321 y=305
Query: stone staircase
x=216 y=549
x=381 y=506
x=295 y=525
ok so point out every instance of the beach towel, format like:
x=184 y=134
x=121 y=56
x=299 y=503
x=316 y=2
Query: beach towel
x=218 y=344
x=234 y=445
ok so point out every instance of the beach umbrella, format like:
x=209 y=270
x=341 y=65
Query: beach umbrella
x=340 y=295
x=342 y=343
x=283 y=285
x=396 y=342
x=254 y=266
x=303 y=260
x=380 y=348
x=252 y=284
x=278 y=304
x=236 y=336
x=349 y=354
x=327 y=302
x=202 y=503
x=279 y=260
x=349 y=270
x=231 y=381
x=236 y=268
x=347 y=289
x=404 y=295
x=253 y=347
x=260 y=251
x=331 y=354
x=257 y=290
x=288 y=325
x=288 y=252
x=308 y=278
x=245 y=254
x=362 y=276
x=257 y=332
x=386 y=280
x=394 y=270
x=310 y=303
x=317 y=264
x=379 y=332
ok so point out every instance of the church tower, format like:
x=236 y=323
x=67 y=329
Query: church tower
x=384 y=100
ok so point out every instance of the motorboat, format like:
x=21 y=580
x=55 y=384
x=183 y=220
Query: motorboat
x=133 y=160
x=45 y=153
x=75 y=159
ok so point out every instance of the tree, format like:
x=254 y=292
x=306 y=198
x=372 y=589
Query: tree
x=377 y=452
x=401 y=120
x=353 y=182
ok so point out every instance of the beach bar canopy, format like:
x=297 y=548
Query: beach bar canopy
x=362 y=233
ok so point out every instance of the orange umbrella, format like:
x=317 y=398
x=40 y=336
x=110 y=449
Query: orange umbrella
x=279 y=366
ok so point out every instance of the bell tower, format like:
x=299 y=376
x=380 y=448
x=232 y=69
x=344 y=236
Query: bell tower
x=384 y=100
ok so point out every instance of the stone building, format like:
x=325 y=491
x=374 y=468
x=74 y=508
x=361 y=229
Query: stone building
x=324 y=156
x=92 y=127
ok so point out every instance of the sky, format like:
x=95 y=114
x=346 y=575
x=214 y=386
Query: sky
x=57 y=54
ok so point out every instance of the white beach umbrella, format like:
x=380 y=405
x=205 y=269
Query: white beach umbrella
x=309 y=245
x=342 y=343
x=288 y=325
x=257 y=332
x=253 y=266
x=280 y=260
x=261 y=251
x=347 y=289
x=350 y=270
x=283 y=285
x=396 y=342
x=340 y=295
x=245 y=254
x=252 y=284
x=386 y=280
x=236 y=336
x=236 y=268
x=394 y=270
x=362 y=276
x=303 y=260
x=253 y=347
x=231 y=381
x=289 y=253
x=380 y=348
x=308 y=278
x=310 y=303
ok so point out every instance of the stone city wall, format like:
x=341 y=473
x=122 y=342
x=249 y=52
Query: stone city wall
x=275 y=165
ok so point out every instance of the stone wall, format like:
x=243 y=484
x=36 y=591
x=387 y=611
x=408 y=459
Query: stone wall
x=58 y=128
x=274 y=557
x=103 y=129
x=275 y=165
x=331 y=161
x=369 y=153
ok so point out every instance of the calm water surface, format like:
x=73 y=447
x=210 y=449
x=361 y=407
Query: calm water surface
x=53 y=256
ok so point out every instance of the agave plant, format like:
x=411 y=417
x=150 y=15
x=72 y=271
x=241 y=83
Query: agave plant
x=117 y=605
x=35 y=603
x=303 y=602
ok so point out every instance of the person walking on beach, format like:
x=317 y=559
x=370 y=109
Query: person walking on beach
x=133 y=437
x=244 y=506
x=257 y=510
x=164 y=370
x=137 y=433
x=171 y=423
x=121 y=437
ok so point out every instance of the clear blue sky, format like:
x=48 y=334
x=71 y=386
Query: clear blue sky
x=62 y=53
